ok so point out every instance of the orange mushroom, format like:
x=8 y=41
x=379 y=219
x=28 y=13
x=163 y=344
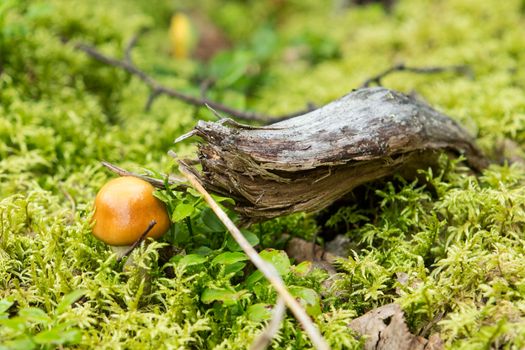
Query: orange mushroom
x=125 y=208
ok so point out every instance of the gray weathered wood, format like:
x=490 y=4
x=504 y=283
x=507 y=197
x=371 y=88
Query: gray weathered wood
x=307 y=162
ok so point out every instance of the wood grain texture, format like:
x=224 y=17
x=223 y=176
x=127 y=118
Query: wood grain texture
x=308 y=162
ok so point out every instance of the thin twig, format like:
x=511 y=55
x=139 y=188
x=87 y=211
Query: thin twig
x=138 y=241
x=158 y=89
x=205 y=85
x=376 y=79
x=265 y=338
x=267 y=269
x=172 y=180
x=425 y=331
x=151 y=98
x=131 y=45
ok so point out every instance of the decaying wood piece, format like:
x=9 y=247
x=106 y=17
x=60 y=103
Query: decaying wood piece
x=307 y=162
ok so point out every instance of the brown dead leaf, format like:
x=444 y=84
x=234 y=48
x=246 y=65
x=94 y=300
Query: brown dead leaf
x=302 y=250
x=339 y=246
x=434 y=343
x=507 y=150
x=385 y=329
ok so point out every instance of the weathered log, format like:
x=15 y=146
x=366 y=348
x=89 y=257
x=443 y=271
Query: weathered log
x=308 y=162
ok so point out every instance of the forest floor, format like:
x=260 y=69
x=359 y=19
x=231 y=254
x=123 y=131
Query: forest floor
x=449 y=249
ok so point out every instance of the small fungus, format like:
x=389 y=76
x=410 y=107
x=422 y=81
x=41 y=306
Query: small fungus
x=125 y=208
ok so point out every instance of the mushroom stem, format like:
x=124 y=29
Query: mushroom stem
x=137 y=242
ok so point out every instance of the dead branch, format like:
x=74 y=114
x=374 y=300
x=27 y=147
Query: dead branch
x=157 y=89
x=171 y=180
x=267 y=269
x=265 y=338
x=308 y=162
x=376 y=79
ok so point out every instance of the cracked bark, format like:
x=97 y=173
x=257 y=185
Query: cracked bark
x=308 y=162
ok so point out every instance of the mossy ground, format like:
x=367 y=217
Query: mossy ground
x=458 y=238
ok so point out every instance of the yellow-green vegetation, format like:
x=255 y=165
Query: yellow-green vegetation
x=457 y=239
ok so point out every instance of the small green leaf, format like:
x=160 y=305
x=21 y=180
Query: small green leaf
x=234 y=268
x=58 y=336
x=253 y=278
x=220 y=199
x=303 y=268
x=194 y=192
x=308 y=298
x=226 y=296
x=259 y=312
x=5 y=305
x=180 y=234
x=278 y=259
x=250 y=237
x=211 y=221
x=182 y=211
x=203 y=250
x=229 y=258
x=69 y=299
x=17 y=324
x=33 y=314
x=161 y=196
x=192 y=259
x=21 y=343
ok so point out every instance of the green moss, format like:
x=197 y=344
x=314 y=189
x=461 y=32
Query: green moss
x=450 y=248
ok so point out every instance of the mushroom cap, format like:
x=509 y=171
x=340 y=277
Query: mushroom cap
x=124 y=208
